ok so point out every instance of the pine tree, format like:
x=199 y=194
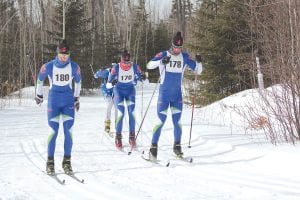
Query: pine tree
x=218 y=24
x=77 y=33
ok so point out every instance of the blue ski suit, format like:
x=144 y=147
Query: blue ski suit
x=60 y=100
x=104 y=74
x=124 y=90
x=170 y=94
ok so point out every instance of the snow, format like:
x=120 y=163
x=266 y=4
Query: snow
x=229 y=164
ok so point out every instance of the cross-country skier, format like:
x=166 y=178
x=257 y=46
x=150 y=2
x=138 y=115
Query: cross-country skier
x=172 y=64
x=123 y=77
x=62 y=102
x=107 y=94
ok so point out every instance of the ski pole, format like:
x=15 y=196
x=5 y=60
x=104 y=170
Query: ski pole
x=193 y=108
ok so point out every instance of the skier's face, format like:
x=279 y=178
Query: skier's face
x=63 y=57
x=176 y=50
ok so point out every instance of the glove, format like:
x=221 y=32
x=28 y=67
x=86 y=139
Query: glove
x=142 y=77
x=114 y=82
x=39 y=99
x=198 y=58
x=76 y=103
x=109 y=85
x=166 y=60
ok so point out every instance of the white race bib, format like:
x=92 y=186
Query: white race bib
x=62 y=76
x=176 y=64
x=126 y=76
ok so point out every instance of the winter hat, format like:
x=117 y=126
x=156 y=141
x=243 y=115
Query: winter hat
x=63 y=47
x=177 y=40
x=126 y=56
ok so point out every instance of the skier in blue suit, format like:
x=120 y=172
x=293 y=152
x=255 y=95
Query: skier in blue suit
x=107 y=94
x=123 y=77
x=62 y=101
x=171 y=64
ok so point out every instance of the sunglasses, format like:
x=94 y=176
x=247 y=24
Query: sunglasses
x=64 y=54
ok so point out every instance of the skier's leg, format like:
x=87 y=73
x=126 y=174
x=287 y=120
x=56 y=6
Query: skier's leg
x=119 y=102
x=130 y=101
x=176 y=108
x=162 y=111
x=53 y=122
x=109 y=105
x=68 y=122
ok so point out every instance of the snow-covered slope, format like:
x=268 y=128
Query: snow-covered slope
x=228 y=164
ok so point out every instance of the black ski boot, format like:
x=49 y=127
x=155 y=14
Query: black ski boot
x=132 y=140
x=177 y=149
x=50 y=166
x=66 y=165
x=153 y=152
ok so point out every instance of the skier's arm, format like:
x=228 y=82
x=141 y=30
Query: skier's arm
x=40 y=80
x=112 y=78
x=98 y=74
x=156 y=61
x=77 y=82
x=194 y=65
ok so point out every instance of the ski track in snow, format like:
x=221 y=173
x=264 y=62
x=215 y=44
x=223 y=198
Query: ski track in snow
x=227 y=164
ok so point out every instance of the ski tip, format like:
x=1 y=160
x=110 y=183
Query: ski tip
x=168 y=164
x=129 y=152
x=191 y=160
x=63 y=181
x=82 y=181
x=143 y=152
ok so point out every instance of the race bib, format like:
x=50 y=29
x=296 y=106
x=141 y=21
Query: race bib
x=175 y=65
x=62 y=76
x=126 y=76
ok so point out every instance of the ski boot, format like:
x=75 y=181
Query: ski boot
x=107 y=126
x=118 y=141
x=50 y=166
x=132 y=140
x=177 y=150
x=153 y=152
x=66 y=165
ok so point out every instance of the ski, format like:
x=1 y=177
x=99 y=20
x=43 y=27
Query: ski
x=182 y=158
x=55 y=177
x=155 y=161
x=76 y=178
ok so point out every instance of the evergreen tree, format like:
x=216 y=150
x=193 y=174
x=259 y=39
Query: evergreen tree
x=218 y=24
x=77 y=33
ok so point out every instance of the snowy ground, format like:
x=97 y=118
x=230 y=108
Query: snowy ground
x=228 y=164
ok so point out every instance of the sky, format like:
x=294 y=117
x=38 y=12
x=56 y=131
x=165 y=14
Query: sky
x=228 y=164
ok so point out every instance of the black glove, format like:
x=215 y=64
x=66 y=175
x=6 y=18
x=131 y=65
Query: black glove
x=166 y=60
x=76 y=103
x=142 y=77
x=114 y=82
x=39 y=99
x=198 y=58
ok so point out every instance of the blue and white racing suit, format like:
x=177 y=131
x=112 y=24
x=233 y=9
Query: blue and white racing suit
x=170 y=94
x=60 y=100
x=124 y=90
